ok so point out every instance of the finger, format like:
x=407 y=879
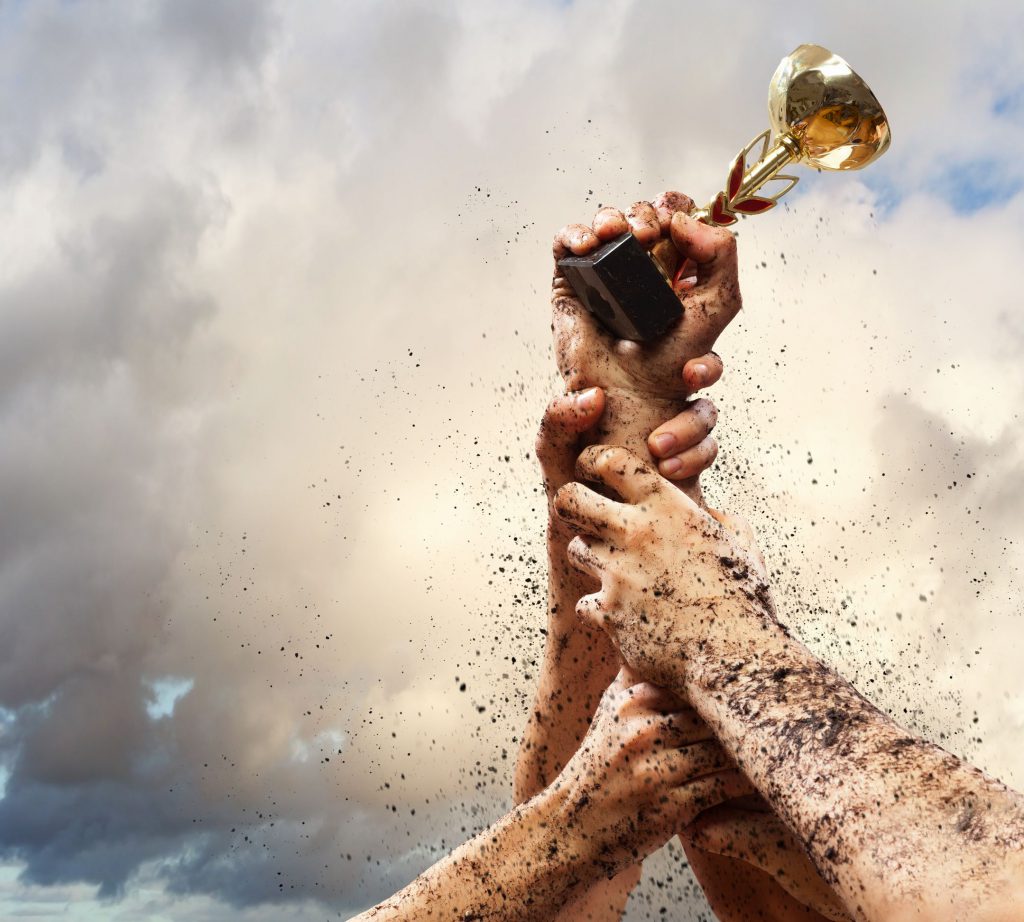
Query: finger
x=697 y=796
x=738 y=525
x=715 y=298
x=712 y=249
x=590 y=512
x=690 y=463
x=591 y=610
x=622 y=470
x=702 y=372
x=577 y=239
x=667 y=204
x=673 y=729
x=728 y=830
x=690 y=762
x=630 y=676
x=643 y=222
x=684 y=431
x=645 y=699
x=588 y=556
x=614 y=693
x=610 y=223
x=564 y=420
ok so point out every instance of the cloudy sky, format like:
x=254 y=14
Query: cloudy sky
x=273 y=344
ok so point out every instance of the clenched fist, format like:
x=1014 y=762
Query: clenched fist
x=709 y=290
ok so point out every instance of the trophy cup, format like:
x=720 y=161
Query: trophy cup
x=822 y=114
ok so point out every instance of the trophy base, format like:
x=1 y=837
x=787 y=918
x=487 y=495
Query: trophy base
x=621 y=285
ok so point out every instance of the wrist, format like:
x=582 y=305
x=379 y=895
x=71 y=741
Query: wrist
x=630 y=416
x=734 y=635
x=558 y=834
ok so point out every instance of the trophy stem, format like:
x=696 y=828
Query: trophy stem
x=783 y=152
x=742 y=184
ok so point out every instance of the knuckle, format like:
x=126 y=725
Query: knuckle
x=642 y=532
x=541 y=445
x=588 y=457
x=564 y=498
x=710 y=413
x=609 y=456
x=727 y=242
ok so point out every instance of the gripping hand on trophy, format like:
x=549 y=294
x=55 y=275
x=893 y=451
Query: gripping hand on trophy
x=644 y=383
x=709 y=292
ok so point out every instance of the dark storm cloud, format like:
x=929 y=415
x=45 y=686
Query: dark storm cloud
x=103 y=360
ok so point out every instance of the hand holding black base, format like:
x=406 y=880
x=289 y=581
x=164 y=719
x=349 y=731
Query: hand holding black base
x=623 y=287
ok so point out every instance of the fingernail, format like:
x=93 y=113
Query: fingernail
x=664 y=443
x=701 y=371
x=671 y=467
x=587 y=401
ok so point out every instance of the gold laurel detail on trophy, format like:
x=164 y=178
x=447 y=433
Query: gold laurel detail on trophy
x=741 y=184
x=823 y=115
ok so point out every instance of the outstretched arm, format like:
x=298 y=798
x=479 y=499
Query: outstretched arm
x=902 y=829
x=645 y=766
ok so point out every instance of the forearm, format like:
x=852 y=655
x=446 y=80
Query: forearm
x=897 y=825
x=735 y=836
x=579 y=659
x=578 y=665
x=525 y=867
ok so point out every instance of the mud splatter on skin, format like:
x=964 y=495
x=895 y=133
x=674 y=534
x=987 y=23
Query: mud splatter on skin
x=616 y=799
x=511 y=638
x=635 y=406
x=832 y=762
x=869 y=803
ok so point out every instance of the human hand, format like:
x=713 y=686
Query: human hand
x=647 y=767
x=589 y=355
x=683 y=446
x=672 y=574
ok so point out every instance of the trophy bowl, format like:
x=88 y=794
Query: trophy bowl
x=829 y=111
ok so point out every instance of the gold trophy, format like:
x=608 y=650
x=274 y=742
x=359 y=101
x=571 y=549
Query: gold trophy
x=822 y=114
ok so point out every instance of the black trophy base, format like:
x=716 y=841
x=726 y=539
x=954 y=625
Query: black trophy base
x=621 y=286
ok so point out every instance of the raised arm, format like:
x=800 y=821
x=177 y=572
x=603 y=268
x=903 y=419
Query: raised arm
x=902 y=829
x=645 y=387
x=647 y=406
